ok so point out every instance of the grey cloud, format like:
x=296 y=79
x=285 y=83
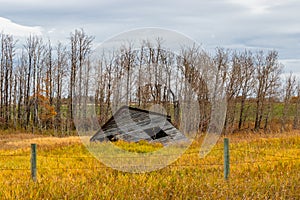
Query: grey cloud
x=227 y=23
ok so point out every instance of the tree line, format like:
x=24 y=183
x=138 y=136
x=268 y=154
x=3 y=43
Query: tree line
x=39 y=81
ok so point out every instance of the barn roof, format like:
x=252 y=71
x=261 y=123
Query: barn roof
x=134 y=124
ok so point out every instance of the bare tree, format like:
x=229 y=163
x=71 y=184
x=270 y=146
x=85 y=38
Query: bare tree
x=127 y=60
x=34 y=48
x=21 y=73
x=233 y=88
x=48 y=62
x=60 y=72
x=35 y=73
x=6 y=66
x=100 y=91
x=268 y=72
x=81 y=45
x=288 y=90
x=221 y=66
x=247 y=83
x=296 y=122
x=140 y=83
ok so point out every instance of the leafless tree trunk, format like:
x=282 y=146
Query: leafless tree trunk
x=127 y=63
x=247 y=83
x=297 y=109
x=288 y=91
x=267 y=74
x=80 y=50
x=60 y=73
x=6 y=80
x=34 y=48
x=233 y=89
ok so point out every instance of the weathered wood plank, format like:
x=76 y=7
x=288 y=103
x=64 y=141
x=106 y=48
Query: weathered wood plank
x=132 y=124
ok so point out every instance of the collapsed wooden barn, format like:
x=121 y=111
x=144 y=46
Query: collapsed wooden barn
x=133 y=124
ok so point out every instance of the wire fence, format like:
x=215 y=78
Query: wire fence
x=198 y=164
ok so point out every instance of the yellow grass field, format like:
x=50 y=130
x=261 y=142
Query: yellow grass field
x=262 y=166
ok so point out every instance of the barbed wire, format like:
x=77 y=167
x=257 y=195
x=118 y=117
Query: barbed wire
x=8 y=155
x=264 y=153
x=58 y=158
x=262 y=161
x=14 y=169
x=197 y=165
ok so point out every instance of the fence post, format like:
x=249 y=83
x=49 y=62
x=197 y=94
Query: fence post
x=226 y=158
x=33 y=162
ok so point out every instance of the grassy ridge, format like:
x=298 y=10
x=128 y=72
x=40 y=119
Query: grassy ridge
x=262 y=167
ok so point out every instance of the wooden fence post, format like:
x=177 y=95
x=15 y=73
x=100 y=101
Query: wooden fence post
x=33 y=162
x=226 y=158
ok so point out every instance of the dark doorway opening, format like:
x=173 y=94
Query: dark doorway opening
x=155 y=133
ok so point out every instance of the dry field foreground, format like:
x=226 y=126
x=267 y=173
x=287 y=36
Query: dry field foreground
x=263 y=166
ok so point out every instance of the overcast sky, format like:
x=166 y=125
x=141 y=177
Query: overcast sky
x=235 y=24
